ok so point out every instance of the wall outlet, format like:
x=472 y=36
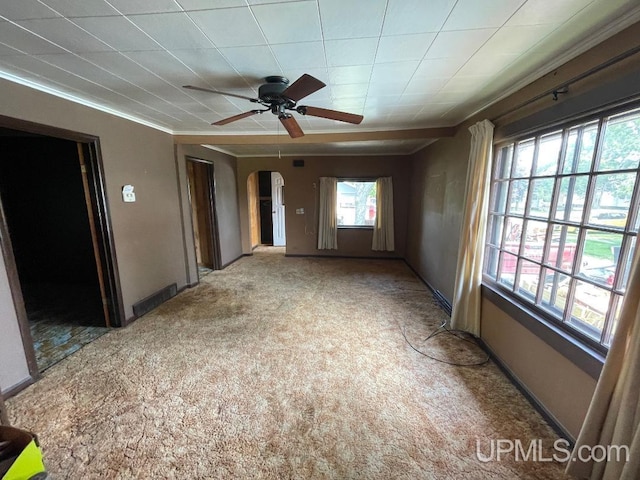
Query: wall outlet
x=299 y=211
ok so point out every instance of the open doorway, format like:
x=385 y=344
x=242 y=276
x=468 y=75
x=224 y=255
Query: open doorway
x=61 y=272
x=203 y=215
x=265 y=190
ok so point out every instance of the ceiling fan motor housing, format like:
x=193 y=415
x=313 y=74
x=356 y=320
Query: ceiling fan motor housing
x=271 y=92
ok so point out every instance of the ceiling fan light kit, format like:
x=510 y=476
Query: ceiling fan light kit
x=278 y=97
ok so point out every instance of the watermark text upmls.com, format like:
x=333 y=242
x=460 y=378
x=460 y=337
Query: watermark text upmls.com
x=496 y=450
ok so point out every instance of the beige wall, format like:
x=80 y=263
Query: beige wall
x=435 y=216
x=300 y=192
x=147 y=234
x=224 y=172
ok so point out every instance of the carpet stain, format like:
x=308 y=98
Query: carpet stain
x=282 y=368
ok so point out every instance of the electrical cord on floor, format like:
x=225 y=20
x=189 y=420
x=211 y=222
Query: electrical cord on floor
x=456 y=333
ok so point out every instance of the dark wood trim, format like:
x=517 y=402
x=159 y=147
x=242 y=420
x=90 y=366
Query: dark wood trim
x=16 y=294
x=533 y=400
x=18 y=388
x=588 y=360
x=45 y=130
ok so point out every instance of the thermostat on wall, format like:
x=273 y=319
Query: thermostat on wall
x=128 y=194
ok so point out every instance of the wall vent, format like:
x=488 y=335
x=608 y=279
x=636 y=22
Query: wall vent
x=154 y=300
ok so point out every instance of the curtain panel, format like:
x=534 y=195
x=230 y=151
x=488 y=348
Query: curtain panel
x=383 y=239
x=466 y=294
x=328 y=216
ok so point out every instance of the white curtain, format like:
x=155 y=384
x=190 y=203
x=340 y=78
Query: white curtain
x=466 y=295
x=328 y=216
x=613 y=418
x=383 y=229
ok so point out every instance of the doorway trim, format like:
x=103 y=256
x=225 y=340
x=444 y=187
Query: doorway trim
x=90 y=145
x=213 y=230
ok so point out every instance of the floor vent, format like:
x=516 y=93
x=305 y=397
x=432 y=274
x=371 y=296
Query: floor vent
x=444 y=303
x=152 y=301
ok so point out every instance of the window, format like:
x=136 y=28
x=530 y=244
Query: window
x=356 y=203
x=563 y=222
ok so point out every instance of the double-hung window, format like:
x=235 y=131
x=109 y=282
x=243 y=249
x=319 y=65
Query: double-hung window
x=356 y=203
x=563 y=222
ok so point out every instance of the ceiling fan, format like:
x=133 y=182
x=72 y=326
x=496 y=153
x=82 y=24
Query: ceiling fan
x=278 y=97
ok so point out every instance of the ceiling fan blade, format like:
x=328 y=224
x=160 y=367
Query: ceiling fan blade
x=331 y=114
x=292 y=126
x=208 y=90
x=224 y=121
x=302 y=87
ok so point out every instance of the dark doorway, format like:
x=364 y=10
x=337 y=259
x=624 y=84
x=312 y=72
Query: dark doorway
x=203 y=215
x=266 y=208
x=45 y=196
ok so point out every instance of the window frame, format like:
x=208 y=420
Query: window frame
x=361 y=180
x=531 y=307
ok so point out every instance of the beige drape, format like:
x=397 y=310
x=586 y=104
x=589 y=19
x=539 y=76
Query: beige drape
x=466 y=295
x=328 y=215
x=614 y=414
x=383 y=229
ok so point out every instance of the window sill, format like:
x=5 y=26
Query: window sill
x=583 y=356
x=355 y=227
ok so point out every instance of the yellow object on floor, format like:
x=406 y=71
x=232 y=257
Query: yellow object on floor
x=28 y=458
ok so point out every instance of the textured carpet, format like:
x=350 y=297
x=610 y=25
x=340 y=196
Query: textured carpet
x=282 y=368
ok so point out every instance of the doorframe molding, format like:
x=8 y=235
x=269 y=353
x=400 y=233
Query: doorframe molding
x=100 y=204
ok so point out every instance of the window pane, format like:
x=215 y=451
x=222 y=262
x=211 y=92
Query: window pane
x=518 y=197
x=555 y=291
x=524 y=159
x=541 y=194
x=356 y=203
x=589 y=309
x=573 y=191
x=499 y=202
x=584 y=141
x=514 y=235
x=599 y=256
x=528 y=280
x=491 y=262
x=548 y=154
x=626 y=268
x=503 y=167
x=508 y=268
x=496 y=224
x=562 y=250
x=621 y=144
x=611 y=199
x=535 y=233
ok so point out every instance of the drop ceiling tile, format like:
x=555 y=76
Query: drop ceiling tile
x=351 y=18
x=467 y=15
x=393 y=72
x=516 y=40
x=189 y=5
x=465 y=84
x=399 y=48
x=355 y=90
x=256 y=60
x=211 y=66
x=83 y=68
x=358 y=51
x=65 y=34
x=439 y=67
x=229 y=27
x=85 y=8
x=481 y=64
x=289 y=22
x=118 y=32
x=459 y=44
x=390 y=87
x=260 y=2
x=350 y=74
x=164 y=65
x=425 y=85
x=25 y=10
x=124 y=67
x=416 y=16
x=299 y=55
x=5 y=50
x=129 y=7
x=541 y=12
x=25 y=41
x=172 y=30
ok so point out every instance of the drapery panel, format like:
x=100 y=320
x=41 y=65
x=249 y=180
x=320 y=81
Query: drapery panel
x=328 y=217
x=383 y=229
x=467 y=294
x=613 y=418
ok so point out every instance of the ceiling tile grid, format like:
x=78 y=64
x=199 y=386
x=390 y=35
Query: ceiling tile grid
x=400 y=63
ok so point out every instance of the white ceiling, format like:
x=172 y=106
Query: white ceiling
x=403 y=64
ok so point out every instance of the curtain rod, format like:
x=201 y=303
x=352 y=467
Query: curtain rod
x=563 y=87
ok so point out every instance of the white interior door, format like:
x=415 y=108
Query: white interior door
x=277 y=201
